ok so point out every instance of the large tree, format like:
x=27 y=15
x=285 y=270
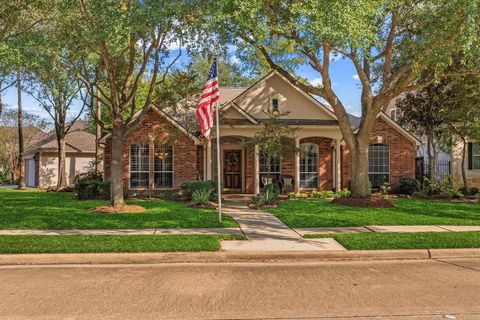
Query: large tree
x=119 y=47
x=388 y=42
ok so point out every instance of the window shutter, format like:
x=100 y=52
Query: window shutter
x=470 y=156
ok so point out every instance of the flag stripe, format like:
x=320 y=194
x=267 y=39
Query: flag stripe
x=210 y=94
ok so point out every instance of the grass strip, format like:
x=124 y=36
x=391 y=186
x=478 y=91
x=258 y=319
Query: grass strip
x=111 y=243
x=416 y=240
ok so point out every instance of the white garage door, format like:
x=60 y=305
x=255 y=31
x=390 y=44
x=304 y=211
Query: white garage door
x=31 y=173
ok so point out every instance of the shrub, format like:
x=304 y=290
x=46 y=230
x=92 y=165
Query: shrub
x=385 y=188
x=409 y=186
x=202 y=196
x=437 y=185
x=90 y=186
x=343 y=193
x=303 y=195
x=189 y=187
x=268 y=196
x=326 y=194
x=291 y=195
x=474 y=191
x=457 y=194
x=315 y=194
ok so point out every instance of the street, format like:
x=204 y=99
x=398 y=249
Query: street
x=402 y=289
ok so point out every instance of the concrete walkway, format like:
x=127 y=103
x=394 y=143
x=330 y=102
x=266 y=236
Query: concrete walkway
x=387 y=229
x=265 y=232
x=124 y=231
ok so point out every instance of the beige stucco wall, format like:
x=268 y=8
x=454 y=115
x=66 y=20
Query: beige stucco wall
x=48 y=167
x=473 y=176
x=257 y=101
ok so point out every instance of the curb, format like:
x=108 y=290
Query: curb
x=231 y=257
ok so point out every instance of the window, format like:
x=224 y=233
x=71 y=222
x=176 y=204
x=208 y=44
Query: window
x=275 y=105
x=163 y=167
x=139 y=166
x=474 y=156
x=308 y=165
x=272 y=168
x=378 y=164
x=395 y=114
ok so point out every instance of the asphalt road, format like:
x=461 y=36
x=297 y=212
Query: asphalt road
x=413 y=289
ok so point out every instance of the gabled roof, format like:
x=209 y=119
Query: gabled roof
x=77 y=140
x=399 y=128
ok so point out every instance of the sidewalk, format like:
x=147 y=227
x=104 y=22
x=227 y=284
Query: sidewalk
x=265 y=232
x=124 y=231
x=387 y=229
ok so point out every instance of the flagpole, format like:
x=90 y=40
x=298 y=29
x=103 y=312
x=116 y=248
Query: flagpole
x=219 y=183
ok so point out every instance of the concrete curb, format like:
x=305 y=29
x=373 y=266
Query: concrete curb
x=223 y=257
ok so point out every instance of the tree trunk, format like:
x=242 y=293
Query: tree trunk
x=360 y=183
x=464 y=157
x=98 y=135
x=116 y=167
x=62 y=159
x=431 y=165
x=21 y=174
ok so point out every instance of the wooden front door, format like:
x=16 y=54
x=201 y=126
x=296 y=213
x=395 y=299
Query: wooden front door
x=232 y=170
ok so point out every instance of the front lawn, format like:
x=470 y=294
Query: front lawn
x=418 y=240
x=322 y=213
x=130 y=243
x=34 y=209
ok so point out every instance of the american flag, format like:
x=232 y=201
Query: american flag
x=210 y=95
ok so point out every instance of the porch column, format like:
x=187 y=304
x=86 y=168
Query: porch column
x=208 y=173
x=297 y=167
x=256 y=171
x=338 y=165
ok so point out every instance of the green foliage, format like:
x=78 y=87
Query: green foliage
x=343 y=193
x=385 y=188
x=90 y=186
x=268 y=196
x=189 y=187
x=202 y=196
x=457 y=194
x=409 y=186
x=291 y=195
x=474 y=191
x=437 y=185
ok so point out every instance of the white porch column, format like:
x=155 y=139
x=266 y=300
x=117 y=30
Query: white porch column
x=256 y=171
x=297 y=166
x=208 y=174
x=338 y=165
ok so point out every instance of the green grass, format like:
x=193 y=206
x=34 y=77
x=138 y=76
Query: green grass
x=417 y=240
x=130 y=243
x=34 y=209
x=322 y=213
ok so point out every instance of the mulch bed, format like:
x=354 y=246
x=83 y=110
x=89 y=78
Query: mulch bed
x=125 y=209
x=372 y=202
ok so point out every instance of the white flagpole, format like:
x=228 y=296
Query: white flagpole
x=219 y=183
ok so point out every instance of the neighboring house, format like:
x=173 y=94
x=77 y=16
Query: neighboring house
x=472 y=164
x=41 y=157
x=162 y=152
x=443 y=158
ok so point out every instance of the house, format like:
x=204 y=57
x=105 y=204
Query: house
x=449 y=162
x=161 y=152
x=41 y=156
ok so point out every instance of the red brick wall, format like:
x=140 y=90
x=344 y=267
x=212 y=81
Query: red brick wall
x=402 y=154
x=325 y=161
x=184 y=149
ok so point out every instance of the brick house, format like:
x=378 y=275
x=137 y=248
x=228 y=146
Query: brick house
x=162 y=152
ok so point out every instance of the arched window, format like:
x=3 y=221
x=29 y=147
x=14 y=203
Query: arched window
x=378 y=164
x=139 y=166
x=308 y=165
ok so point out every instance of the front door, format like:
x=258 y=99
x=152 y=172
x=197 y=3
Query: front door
x=232 y=170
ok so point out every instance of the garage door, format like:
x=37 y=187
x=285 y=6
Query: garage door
x=31 y=174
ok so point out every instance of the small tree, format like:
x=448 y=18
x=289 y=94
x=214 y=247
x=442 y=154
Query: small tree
x=424 y=112
x=461 y=98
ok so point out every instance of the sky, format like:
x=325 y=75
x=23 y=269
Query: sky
x=344 y=79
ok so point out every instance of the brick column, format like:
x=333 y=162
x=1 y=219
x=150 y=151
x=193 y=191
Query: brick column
x=297 y=166
x=256 y=171
x=208 y=160
x=338 y=165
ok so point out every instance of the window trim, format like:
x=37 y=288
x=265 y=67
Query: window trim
x=474 y=156
x=317 y=171
x=172 y=172
x=130 y=167
x=397 y=112
x=389 y=162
